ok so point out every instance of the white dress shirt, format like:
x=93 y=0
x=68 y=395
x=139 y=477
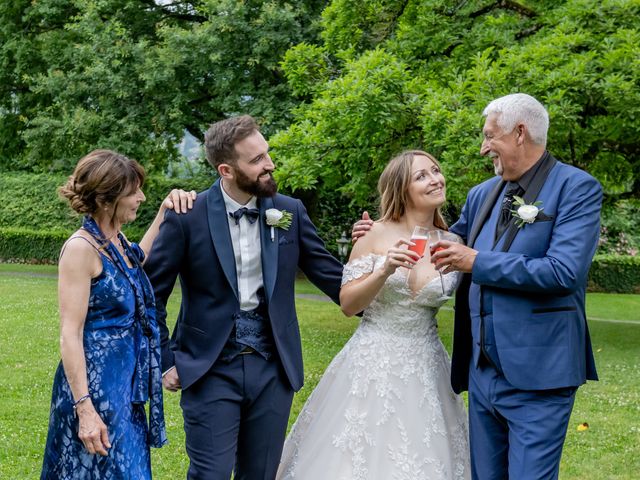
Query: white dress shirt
x=245 y=238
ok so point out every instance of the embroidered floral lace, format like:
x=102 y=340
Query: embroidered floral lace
x=384 y=408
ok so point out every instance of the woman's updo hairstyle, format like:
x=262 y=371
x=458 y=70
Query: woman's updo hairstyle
x=101 y=178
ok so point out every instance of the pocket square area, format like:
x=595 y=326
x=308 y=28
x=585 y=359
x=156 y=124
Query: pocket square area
x=542 y=217
x=284 y=241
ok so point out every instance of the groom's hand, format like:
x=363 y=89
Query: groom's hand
x=361 y=227
x=452 y=257
x=171 y=381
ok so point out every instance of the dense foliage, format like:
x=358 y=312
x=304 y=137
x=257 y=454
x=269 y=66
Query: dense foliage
x=20 y=245
x=417 y=73
x=133 y=75
x=31 y=202
x=339 y=86
x=615 y=273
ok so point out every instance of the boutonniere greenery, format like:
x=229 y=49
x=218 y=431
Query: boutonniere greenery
x=524 y=212
x=277 y=219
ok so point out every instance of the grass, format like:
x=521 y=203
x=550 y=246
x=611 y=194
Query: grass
x=609 y=449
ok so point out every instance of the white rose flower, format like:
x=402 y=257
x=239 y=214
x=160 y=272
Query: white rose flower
x=277 y=219
x=273 y=216
x=528 y=213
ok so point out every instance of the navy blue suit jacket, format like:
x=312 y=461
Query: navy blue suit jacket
x=197 y=248
x=536 y=276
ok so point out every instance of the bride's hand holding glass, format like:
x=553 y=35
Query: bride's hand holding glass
x=400 y=256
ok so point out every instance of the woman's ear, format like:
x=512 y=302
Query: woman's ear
x=103 y=207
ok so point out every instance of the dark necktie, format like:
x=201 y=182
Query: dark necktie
x=251 y=213
x=507 y=204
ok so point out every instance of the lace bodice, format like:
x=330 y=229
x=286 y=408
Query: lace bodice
x=397 y=309
x=384 y=408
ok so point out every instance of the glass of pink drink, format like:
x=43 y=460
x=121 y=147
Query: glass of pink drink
x=420 y=237
x=433 y=237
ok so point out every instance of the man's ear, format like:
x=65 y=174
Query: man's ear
x=225 y=170
x=521 y=130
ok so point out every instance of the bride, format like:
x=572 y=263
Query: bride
x=384 y=408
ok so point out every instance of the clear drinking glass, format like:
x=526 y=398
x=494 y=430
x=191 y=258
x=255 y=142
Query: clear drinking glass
x=434 y=236
x=420 y=237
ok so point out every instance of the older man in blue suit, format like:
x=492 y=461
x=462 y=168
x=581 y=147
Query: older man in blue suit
x=235 y=350
x=521 y=342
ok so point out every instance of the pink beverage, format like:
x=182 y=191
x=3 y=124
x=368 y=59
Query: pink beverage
x=420 y=245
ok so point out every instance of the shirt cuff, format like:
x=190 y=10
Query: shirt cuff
x=167 y=371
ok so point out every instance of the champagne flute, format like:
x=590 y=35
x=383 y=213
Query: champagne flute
x=419 y=238
x=434 y=236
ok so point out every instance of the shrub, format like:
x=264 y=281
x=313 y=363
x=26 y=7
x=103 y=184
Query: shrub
x=31 y=202
x=615 y=274
x=19 y=245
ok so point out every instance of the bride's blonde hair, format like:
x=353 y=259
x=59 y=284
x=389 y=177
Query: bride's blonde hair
x=393 y=187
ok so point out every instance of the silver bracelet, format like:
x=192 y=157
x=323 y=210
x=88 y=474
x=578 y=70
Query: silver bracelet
x=79 y=401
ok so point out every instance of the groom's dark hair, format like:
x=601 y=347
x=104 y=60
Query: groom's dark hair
x=222 y=136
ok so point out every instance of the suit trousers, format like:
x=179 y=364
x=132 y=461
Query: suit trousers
x=515 y=434
x=235 y=419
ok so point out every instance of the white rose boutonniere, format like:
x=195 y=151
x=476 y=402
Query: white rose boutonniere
x=278 y=219
x=524 y=212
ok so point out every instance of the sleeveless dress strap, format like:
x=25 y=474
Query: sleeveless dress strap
x=83 y=238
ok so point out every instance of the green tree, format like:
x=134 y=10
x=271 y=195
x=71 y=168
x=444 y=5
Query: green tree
x=418 y=73
x=134 y=74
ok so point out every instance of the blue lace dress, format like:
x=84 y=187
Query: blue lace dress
x=114 y=344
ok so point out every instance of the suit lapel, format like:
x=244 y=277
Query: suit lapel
x=530 y=196
x=485 y=211
x=269 y=248
x=219 y=230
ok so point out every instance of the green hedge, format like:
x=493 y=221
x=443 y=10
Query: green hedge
x=35 y=221
x=615 y=274
x=30 y=201
x=19 y=245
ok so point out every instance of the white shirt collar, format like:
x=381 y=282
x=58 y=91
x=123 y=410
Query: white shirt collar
x=231 y=205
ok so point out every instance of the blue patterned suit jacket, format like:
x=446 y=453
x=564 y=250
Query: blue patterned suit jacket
x=536 y=276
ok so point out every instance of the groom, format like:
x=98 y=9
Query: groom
x=521 y=342
x=235 y=350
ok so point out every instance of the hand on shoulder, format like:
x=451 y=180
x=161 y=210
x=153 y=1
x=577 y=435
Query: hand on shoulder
x=368 y=243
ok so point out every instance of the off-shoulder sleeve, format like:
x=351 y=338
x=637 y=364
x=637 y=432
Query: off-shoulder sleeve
x=357 y=268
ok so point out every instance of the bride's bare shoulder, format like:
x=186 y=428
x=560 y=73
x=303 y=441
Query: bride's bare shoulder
x=376 y=241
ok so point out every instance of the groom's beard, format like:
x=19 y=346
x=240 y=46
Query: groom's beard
x=258 y=188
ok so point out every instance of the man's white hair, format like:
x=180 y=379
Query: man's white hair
x=521 y=108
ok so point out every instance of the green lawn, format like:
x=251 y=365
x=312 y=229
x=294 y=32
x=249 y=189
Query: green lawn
x=609 y=449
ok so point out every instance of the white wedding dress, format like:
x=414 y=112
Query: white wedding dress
x=384 y=409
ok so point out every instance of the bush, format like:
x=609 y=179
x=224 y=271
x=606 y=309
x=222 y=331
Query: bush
x=19 y=245
x=615 y=274
x=35 y=221
x=620 y=231
x=31 y=202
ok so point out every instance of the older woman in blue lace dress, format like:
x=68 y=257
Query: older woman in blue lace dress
x=109 y=340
